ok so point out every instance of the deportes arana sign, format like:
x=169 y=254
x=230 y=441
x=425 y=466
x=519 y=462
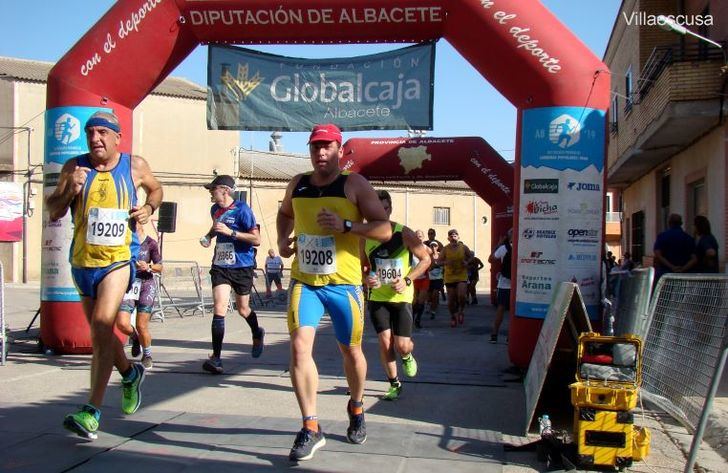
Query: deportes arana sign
x=249 y=90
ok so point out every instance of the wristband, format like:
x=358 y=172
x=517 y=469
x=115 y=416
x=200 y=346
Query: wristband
x=233 y=234
x=150 y=206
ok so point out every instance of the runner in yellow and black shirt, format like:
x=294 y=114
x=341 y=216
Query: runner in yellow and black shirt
x=391 y=294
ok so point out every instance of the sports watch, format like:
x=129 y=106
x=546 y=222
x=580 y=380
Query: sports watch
x=407 y=281
x=347 y=226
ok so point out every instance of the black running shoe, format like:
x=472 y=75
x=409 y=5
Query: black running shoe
x=306 y=443
x=357 y=431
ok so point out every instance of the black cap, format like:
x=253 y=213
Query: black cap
x=221 y=180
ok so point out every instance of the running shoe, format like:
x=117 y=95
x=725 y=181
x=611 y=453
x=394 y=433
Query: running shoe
x=493 y=338
x=432 y=314
x=258 y=343
x=131 y=395
x=453 y=321
x=147 y=362
x=461 y=318
x=393 y=392
x=213 y=365
x=357 y=430
x=306 y=443
x=409 y=366
x=83 y=423
x=136 y=348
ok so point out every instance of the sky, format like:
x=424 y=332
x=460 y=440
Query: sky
x=465 y=104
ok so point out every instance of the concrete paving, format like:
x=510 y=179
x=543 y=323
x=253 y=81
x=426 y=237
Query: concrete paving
x=458 y=414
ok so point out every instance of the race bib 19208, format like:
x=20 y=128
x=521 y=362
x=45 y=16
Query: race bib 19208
x=224 y=254
x=107 y=227
x=316 y=254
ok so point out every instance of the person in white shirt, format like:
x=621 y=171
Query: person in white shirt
x=273 y=272
x=502 y=255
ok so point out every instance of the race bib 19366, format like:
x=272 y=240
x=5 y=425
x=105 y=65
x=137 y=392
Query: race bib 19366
x=106 y=227
x=316 y=254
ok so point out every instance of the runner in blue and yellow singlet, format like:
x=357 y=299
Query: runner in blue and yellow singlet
x=392 y=270
x=100 y=189
x=325 y=210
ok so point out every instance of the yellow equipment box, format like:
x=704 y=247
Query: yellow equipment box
x=604 y=438
x=609 y=372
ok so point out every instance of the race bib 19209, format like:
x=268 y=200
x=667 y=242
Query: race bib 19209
x=316 y=254
x=107 y=227
x=224 y=254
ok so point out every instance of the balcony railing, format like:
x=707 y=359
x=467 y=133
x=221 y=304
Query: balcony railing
x=613 y=217
x=663 y=56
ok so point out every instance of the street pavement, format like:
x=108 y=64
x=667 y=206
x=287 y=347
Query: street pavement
x=459 y=414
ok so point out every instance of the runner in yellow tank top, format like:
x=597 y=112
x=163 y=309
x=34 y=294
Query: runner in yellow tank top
x=455 y=257
x=392 y=269
x=100 y=188
x=326 y=209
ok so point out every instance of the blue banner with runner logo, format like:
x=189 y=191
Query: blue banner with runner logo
x=250 y=90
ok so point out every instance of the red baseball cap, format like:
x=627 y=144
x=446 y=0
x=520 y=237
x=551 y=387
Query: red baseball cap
x=326 y=132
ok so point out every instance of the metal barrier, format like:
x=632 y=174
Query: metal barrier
x=181 y=288
x=3 y=337
x=631 y=303
x=685 y=349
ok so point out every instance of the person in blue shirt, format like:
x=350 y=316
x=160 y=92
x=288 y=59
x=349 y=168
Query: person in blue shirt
x=706 y=247
x=674 y=249
x=236 y=233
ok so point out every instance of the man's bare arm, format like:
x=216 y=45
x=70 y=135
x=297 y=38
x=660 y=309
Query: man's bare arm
x=284 y=221
x=144 y=178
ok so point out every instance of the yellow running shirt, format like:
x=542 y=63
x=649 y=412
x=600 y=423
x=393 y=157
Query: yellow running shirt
x=323 y=258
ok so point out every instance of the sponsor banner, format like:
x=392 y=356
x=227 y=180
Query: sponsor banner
x=561 y=206
x=11 y=212
x=64 y=139
x=249 y=90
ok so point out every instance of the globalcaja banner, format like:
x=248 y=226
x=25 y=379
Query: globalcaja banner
x=249 y=90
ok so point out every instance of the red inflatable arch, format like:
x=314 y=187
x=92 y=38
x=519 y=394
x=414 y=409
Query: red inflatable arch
x=470 y=159
x=517 y=45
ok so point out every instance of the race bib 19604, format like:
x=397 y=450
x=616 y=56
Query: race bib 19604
x=316 y=254
x=106 y=227
x=388 y=269
x=224 y=254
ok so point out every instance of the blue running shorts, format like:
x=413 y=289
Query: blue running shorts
x=343 y=302
x=88 y=279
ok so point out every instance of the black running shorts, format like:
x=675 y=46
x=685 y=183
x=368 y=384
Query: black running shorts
x=240 y=279
x=391 y=315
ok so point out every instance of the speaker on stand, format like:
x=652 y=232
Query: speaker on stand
x=167 y=221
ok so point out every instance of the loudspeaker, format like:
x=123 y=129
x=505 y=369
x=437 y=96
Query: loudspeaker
x=167 y=217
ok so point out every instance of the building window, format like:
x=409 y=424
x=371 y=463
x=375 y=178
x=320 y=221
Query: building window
x=241 y=196
x=663 y=199
x=697 y=201
x=613 y=115
x=637 y=236
x=628 y=90
x=441 y=215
